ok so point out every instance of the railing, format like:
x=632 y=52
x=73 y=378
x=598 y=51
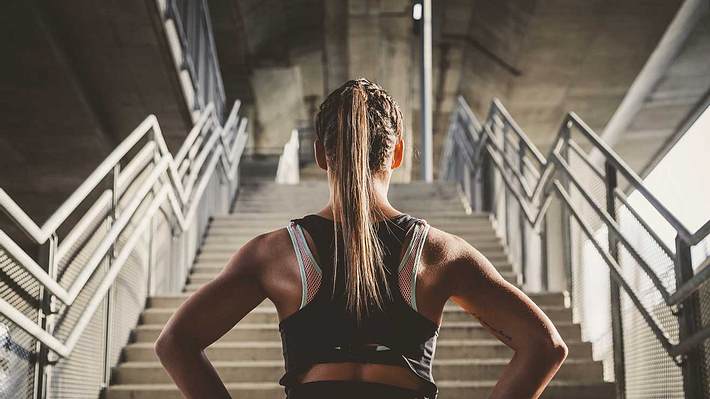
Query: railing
x=131 y=229
x=566 y=214
x=189 y=21
x=287 y=171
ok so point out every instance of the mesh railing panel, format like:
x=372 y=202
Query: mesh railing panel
x=650 y=372
x=128 y=293
x=590 y=294
x=81 y=375
x=704 y=295
x=17 y=368
x=17 y=348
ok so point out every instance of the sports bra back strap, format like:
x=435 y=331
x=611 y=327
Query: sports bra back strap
x=308 y=267
x=410 y=263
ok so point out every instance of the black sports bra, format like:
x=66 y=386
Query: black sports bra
x=322 y=331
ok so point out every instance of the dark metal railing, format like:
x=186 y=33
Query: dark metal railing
x=502 y=172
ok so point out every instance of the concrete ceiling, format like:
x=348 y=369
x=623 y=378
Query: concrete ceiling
x=680 y=95
x=543 y=58
x=546 y=58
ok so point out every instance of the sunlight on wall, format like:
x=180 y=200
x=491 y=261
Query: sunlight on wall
x=681 y=181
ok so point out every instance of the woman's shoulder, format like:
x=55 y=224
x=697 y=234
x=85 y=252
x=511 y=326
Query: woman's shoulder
x=268 y=248
x=439 y=247
x=443 y=254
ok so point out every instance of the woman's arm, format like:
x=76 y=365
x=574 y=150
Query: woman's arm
x=207 y=315
x=512 y=317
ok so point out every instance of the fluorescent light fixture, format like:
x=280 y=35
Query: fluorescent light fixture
x=417 y=11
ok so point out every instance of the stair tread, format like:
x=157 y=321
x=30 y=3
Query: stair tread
x=254 y=326
x=440 y=383
x=273 y=344
x=280 y=363
x=271 y=309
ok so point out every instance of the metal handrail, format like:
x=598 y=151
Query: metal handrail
x=467 y=133
x=223 y=146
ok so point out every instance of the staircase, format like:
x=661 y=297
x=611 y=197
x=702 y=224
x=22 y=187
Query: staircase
x=249 y=359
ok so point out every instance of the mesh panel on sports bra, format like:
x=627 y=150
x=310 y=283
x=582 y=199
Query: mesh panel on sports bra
x=311 y=272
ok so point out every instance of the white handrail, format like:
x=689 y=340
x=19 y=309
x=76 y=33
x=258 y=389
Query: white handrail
x=214 y=152
x=287 y=171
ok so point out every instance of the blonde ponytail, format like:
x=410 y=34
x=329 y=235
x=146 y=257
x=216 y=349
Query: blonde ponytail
x=356 y=123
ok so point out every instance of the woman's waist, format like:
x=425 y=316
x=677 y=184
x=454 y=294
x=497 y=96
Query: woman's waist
x=363 y=372
x=347 y=389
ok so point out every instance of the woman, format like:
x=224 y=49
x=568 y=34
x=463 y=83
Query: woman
x=367 y=326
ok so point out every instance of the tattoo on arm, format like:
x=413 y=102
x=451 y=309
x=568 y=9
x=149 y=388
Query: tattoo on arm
x=494 y=329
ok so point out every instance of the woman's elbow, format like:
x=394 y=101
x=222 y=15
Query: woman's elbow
x=549 y=350
x=170 y=344
x=164 y=345
x=555 y=350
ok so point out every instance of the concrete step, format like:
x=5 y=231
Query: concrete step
x=423 y=211
x=271 y=202
x=447 y=216
x=239 y=237
x=197 y=279
x=470 y=330
x=268 y=314
x=210 y=259
x=216 y=267
x=554 y=299
x=271 y=350
x=478 y=231
x=490 y=246
x=474 y=228
x=447 y=390
x=271 y=370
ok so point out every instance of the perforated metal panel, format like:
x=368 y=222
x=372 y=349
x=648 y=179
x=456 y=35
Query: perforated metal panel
x=704 y=295
x=650 y=372
x=17 y=348
x=590 y=294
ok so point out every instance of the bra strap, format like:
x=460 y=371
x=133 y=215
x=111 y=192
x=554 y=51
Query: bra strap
x=410 y=263
x=307 y=265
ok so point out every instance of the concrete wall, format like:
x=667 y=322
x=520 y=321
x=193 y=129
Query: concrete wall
x=51 y=137
x=279 y=106
x=79 y=80
x=120 y=52
x=380 y=49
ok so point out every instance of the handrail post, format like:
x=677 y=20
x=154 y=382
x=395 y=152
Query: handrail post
x=486 y=177
x=108 y=317
x=45 y=315
x=688 y=323
x=544 y=270
x=506 y=195
x=566 y=229
x=521 y=216
x=151 y=231
x=617 y=328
